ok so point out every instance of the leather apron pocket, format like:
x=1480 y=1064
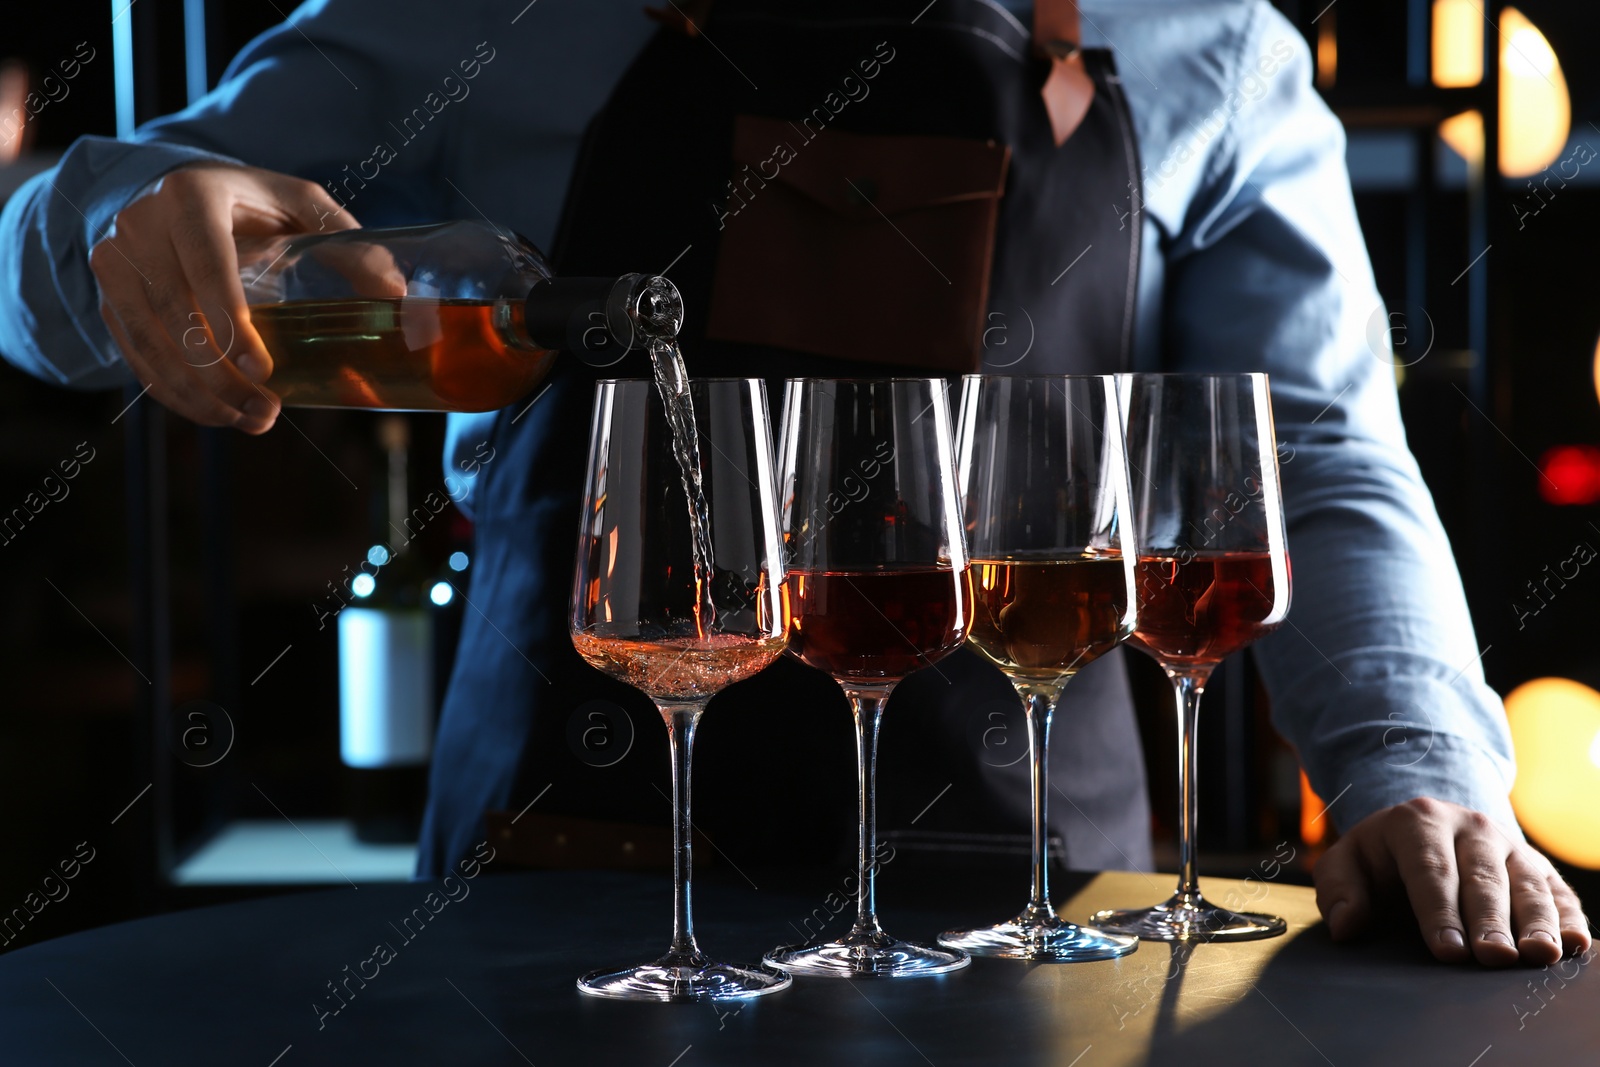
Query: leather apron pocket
x=871 y=248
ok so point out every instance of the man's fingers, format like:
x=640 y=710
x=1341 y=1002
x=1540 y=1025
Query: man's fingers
x=1478 y=891
x=311 y=206
x=382 y=274
x=265 y=406
x=174 y=381
x=174 y=307
x=1343 y=892
x=1534 y=919
x=369 y=268
x=192 y=347
x=146 y=347
x=1573 y=924
x=118 y=291
x=1421 y=838
x=1481 y=854
x=152 y=384
x=210 y=262
x=180 y=316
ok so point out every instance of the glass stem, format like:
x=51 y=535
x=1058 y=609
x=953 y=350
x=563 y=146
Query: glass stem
x=681 y=720
x=867 y=707
x=1188 y=687
x=1039 y=706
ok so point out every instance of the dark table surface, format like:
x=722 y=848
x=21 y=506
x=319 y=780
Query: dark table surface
x=489 y=980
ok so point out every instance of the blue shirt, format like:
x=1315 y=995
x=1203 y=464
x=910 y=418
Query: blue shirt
x=1252 y=260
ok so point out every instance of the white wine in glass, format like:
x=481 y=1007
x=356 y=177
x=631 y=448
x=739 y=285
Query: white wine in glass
x=1045 y=490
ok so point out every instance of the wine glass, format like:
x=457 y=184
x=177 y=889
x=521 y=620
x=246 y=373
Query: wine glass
x=1213 y=577
x=878 y=587
x=1045 y=487
x=645 y=611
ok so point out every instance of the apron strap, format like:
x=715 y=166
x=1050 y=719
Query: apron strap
x=1068 y=90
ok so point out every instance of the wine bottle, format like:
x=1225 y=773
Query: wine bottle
x=456 y=316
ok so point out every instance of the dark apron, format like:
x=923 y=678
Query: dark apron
x=892 y=182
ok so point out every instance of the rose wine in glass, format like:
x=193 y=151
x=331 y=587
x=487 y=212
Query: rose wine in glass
x=877 y=587
x=1213 y=577
x=1045 y=488
x=640 y=608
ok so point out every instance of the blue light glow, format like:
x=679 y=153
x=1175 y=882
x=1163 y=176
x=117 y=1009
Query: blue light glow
x=441 y=593
x=362 y=585
x=458 y=561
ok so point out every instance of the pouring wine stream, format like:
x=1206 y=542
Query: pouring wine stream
x=672 y=381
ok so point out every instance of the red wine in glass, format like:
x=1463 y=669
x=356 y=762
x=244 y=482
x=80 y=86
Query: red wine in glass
x=878 y=624
x=1213 y=576
x=877 y=588
x=1201 y=609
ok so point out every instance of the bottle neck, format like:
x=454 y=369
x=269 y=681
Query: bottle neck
x=600 y=320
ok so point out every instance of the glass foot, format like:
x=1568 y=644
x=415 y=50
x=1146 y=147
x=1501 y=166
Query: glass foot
x=867 y=956
x=684 y=977
x=1189 y=917
x=1048 y=940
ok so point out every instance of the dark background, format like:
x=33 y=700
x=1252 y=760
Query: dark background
x=72 y=748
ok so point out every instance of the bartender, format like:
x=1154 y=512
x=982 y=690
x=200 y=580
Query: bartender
x=1175 y=198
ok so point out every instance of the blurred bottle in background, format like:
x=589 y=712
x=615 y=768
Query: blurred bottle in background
x=386 y=663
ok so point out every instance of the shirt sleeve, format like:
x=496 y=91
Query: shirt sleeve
x=50 y=322
x=1375 y=678
x=364 y=65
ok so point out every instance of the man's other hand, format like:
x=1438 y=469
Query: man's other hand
x=1478 y=891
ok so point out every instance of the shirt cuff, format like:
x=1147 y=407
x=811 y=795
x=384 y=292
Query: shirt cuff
x=1408 y=745
x=50 y=302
